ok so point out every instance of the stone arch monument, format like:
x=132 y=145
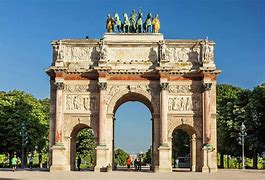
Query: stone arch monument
x=175 y=79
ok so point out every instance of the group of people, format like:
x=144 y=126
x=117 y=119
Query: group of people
x=14 y=162
x=133 y=24
x=137 y=163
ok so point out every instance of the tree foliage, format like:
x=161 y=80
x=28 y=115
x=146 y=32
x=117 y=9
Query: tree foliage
x=17 y=108
x=234 y=107
x=85 y=145
x=120 y=157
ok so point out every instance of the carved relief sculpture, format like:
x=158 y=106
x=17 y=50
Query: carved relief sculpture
x=184 y=103
x=80 y=102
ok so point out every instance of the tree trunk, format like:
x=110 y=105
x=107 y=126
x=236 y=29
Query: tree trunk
x=255 y=160
x=221 y=160
x=40 y=160
x=227 y=161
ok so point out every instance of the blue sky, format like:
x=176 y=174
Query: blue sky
x=28 y=26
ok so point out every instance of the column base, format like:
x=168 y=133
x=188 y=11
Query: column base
x=193 y=168
x=208 y=166
x=164 y=159
x=58 y=159
x=156 y=169
x=102 y=164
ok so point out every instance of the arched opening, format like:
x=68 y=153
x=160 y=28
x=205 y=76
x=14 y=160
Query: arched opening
x=183 y=149
x=133 y=133
x=82 y=152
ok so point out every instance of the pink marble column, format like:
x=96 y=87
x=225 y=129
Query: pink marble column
x=207 y=113
x=59 y=110
x=102 y=111
x=163 y=113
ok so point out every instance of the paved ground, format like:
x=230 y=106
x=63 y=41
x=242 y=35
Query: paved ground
x=121 y=175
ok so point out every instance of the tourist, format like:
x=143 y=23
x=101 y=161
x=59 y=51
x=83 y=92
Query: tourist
x=135 y=163
x=140 y=164
x=78 y=162
x=129 y=163
x=14 y=163
x=31 y=161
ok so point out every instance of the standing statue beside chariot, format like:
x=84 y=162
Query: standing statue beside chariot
x=133 y=24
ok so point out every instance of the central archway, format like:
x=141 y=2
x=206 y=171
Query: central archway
x=118 y=100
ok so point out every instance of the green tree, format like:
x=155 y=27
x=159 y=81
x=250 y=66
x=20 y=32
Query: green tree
x=255 y=139
x=120 y=157
x=231 y=102
x=18 y=108
x=85 y=145
x=148 y=156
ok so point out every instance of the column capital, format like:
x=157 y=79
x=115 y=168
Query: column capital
x=164 y=86
x=102 y=85
x=59 y=85
x=207 y=86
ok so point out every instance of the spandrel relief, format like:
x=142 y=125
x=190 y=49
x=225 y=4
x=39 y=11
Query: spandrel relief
x=80 y=102
x=185 y=103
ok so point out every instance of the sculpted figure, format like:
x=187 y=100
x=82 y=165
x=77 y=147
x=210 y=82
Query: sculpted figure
x=133 y=19
x=139 y=23
x=207 y=50
x=118 y=25
x=110 y=24
x=126 y=23
x=156 y=24
x=148 y=23
x=103 y=53
x=162 y=50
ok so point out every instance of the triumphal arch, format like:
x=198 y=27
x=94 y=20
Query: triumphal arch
x=175 y=79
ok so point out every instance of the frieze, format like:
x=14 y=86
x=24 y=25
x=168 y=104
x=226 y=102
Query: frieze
x=185 y=88
x=81 y=102
x=185 y=103
x=75 y=53
x=178 y=55
x=76 y=88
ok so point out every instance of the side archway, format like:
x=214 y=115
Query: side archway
x=76 y=129
x=193 y=144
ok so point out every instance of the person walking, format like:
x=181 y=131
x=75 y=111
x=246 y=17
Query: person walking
x=140 y=164
x=129 y=163
x=31 y=161
x=14 y=163
x=135 y=162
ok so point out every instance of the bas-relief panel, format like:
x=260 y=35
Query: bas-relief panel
x=184 y=98
x=81 y=102
x=77 y=53
x=184 y=103
x=80 y=97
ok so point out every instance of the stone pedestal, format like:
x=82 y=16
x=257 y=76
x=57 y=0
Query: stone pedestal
x=101 y=152
x=164 y=159
x=58 y=159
